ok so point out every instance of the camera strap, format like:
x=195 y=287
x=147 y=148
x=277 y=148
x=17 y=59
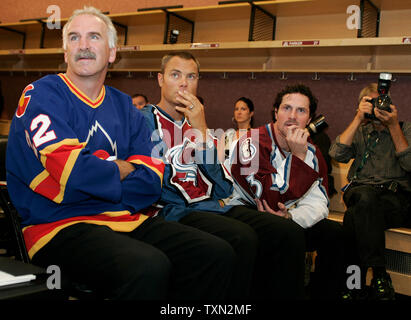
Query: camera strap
x=370 y=145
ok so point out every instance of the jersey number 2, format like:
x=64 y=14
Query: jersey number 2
x=41 y=135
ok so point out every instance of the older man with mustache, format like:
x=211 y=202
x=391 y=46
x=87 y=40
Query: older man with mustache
x=80 y=171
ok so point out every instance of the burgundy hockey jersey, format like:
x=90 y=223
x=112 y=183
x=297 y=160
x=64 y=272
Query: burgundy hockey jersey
x=262 y=170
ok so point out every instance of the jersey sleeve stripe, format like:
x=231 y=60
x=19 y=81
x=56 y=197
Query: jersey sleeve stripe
x=154 y=164
x=37 y=236
x=45 y=185
x=60 y=159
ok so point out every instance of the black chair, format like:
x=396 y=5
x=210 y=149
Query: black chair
x=3 y=147
x=18 y=246
x=74 y=289
x=7 y=240
x=13 y=222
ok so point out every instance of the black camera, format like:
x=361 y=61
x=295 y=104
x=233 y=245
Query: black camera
x=317 y=125
x=383 y=101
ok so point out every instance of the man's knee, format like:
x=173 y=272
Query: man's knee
x=244 y=237
x=330 y=231
x=221 y=251
x=280 y=232
x=364 y=195
x=155 y=268
x=291 y=231
x=143 y=277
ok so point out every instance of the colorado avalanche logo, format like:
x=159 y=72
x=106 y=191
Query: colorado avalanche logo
x=247 y=150
x=185 y=173
x=181 y=158
x=99 y=139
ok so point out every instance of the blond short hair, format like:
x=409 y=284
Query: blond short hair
x=371 y=88
x=183 y=55
x=111 y=30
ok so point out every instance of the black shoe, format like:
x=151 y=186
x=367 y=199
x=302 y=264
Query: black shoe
x=348 y=295
x=355 y=295
x=382 y=288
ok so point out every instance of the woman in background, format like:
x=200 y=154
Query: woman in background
x=243 y=121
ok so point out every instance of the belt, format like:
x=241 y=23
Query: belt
x=391 y=186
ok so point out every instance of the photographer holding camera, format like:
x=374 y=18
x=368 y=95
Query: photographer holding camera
x=377 y=195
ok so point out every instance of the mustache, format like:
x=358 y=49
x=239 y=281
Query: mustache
x=85 y=54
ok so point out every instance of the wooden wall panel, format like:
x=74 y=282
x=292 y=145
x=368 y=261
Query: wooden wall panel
x=337 y=96
x=14 y=10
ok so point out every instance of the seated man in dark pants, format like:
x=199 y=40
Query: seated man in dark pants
x=277 y=148
x=79 y=172
x=378 y=195
x=195 y=181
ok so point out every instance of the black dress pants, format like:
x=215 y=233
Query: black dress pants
x=326 y=237
x=370 y=211
x=243 y=240
x=158 y=260
x=279 y=264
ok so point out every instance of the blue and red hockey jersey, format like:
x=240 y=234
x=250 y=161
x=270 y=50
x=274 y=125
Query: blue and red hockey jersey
x=59 y=160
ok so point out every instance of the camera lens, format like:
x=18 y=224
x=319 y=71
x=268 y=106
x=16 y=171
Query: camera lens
x=317 y=124
x=384 y=102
